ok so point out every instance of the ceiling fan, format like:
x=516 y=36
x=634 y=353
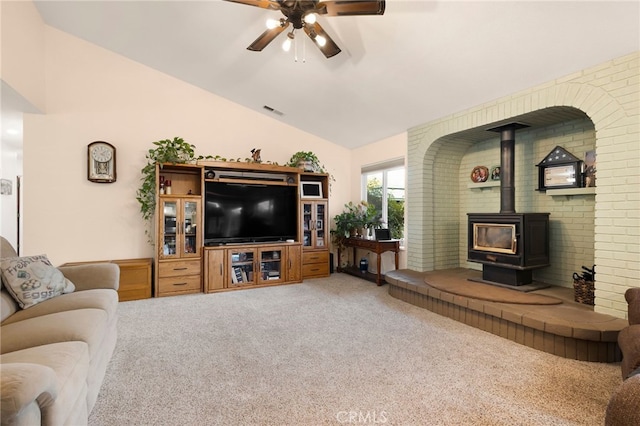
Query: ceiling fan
x=302 y=14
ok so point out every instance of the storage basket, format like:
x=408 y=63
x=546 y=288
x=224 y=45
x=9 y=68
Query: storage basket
x=584 y=291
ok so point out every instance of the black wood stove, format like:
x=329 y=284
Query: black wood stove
x=509 y=245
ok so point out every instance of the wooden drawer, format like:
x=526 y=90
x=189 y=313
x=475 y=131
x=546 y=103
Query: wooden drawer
x=315 y=257
x=179 y=268
x=179 y=284
x=315 y=270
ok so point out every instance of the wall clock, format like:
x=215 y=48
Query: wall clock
x=101 y=162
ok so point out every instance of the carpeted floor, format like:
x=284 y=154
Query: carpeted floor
x=332 y=351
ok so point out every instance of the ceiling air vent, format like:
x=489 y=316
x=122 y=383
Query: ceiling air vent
x=273 y=110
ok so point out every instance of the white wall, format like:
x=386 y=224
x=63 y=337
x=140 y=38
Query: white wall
x=93 y=94
x=22 y=59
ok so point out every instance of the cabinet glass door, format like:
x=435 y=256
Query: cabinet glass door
x=307 y=224
x=241 y=267
x=321 y=231
x=271 y=265
x=169 y=228
x=189 y=232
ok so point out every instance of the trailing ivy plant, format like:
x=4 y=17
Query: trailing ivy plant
x=175 y=151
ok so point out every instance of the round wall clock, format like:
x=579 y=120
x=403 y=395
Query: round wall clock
x=101 y=162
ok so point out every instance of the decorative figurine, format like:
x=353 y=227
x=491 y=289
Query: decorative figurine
x=255 y=155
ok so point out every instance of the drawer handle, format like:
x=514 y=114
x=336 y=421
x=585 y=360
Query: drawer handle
x=315 y=269
x=179 y=269
x=179 y=283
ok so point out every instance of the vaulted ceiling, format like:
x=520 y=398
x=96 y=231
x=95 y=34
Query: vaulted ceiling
x=420 y=61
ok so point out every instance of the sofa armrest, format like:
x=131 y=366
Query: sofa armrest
x=622 y=409
x=632 y=296
x=93 y=275
x=25 y=388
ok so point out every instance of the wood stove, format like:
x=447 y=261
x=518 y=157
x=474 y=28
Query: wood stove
x=509 y=245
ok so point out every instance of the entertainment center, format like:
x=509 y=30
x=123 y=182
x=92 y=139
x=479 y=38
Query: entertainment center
x=231 y=225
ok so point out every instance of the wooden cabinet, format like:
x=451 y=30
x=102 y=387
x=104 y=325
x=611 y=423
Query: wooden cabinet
x=315 y=264
x=293 y=265
x=179 y=226
x=214 y=267
x=135 y=277
x=179 y=231
x=315 y=226
x=251 y=266
x=179 y=277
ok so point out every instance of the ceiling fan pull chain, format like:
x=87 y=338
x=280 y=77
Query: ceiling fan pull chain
x=304 y=50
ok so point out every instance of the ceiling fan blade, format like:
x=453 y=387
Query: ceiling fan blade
x=264 y=4
x=266 y=38
x=330 y=48
x=350 y=7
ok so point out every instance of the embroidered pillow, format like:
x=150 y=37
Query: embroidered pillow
x=33 y=279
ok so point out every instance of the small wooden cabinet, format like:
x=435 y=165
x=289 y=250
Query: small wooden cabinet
x=135 y=277
x=179 y=231
x=248 y=265
x=314 y=221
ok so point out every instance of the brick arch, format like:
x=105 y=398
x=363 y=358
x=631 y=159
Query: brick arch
x=426 y=142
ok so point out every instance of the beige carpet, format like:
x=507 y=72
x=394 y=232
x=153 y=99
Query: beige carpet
x=458 y=281
x=332 y=352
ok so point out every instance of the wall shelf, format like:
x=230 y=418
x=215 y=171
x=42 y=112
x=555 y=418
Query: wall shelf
x=483 y=185
x=572 y=191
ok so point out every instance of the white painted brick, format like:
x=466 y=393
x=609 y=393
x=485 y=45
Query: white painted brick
x=604 y=228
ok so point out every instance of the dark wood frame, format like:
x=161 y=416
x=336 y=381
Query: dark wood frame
x=90 y=161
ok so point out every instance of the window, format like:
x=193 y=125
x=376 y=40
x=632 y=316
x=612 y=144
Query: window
x=383 y=185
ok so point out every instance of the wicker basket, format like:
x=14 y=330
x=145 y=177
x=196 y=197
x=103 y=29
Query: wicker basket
x=584 y=291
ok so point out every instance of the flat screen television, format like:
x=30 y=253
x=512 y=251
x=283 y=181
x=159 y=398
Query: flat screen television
x=242 y=213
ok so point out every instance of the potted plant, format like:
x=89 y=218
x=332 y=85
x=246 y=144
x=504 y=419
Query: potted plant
x=175 y=151
x=354 y=220
x=307 y=161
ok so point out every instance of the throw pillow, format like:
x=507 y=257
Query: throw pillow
x=33 y=279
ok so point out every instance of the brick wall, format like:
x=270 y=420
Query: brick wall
x=601 y=229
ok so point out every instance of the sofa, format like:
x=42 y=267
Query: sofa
x=624 y=406
x=54 y=354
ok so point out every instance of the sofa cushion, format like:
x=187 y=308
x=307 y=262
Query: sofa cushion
x=107 y=300
x=8 y=305
x=70 y=363
x=33 y=279
x=84 y=325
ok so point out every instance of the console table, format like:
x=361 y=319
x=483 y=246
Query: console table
x=376 y=246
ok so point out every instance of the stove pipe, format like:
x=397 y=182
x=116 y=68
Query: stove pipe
x=507 y=165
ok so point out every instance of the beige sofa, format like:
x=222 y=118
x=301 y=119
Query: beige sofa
x=53 y=355
x=624 y=405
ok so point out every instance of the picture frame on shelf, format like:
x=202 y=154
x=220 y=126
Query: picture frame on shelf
x=479 y=174
x=590 y=169
x=495 y=172
x=310 y=189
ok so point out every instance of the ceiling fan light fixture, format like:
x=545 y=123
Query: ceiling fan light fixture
x=286 y=45
x=273 y=23
x=310 y=18
x=320 y=40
